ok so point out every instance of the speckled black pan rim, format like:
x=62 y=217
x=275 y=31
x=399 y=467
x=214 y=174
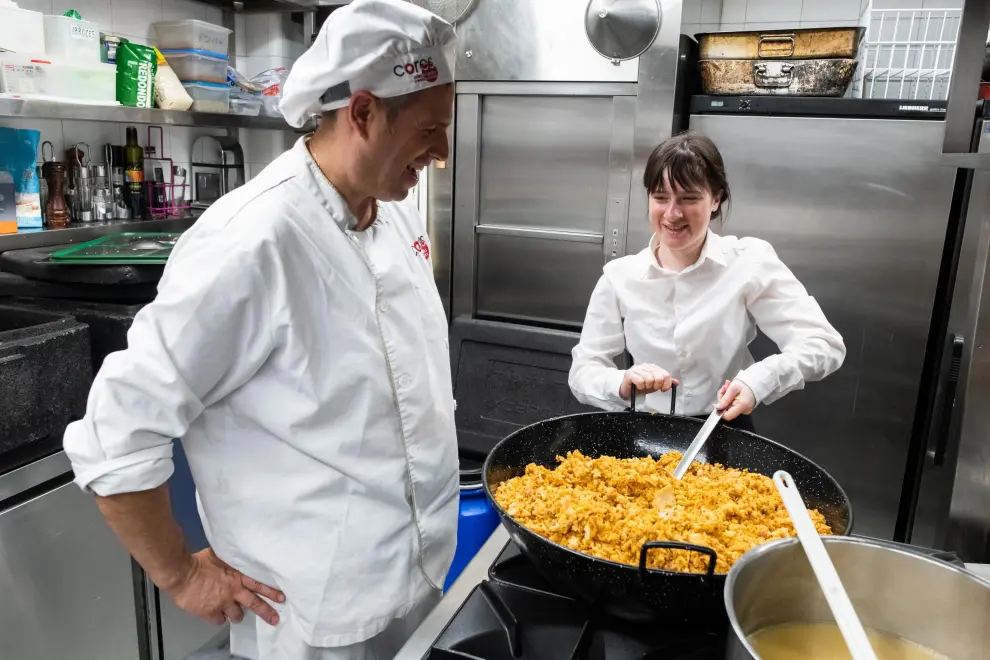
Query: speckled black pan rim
x=503 y=514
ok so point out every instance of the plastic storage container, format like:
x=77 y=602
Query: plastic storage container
x=192 y=34
x=208 y=97
x=22 y=31
x=242 y=104
x=197 y=65
x=90 y=83
x=476 y=519
x=72 y=40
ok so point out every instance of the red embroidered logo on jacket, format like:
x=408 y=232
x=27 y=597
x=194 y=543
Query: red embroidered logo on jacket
x=422 y=248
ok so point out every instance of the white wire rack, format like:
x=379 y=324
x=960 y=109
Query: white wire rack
x=909 y=53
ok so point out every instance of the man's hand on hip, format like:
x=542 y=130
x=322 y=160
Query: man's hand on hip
x=214 y=591
x=199 y=583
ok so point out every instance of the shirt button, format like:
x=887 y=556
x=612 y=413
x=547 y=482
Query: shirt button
x=383 y=306
x=405 y=380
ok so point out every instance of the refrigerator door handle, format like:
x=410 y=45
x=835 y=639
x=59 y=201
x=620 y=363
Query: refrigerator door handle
x=948 y=402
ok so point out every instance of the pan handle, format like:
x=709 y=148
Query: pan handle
x=673 y=399
x=675 y=545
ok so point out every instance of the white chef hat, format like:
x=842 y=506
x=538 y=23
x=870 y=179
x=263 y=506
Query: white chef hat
x=386 y=47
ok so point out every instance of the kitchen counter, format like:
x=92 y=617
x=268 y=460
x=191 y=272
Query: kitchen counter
x=81 y=232
x=477 y=570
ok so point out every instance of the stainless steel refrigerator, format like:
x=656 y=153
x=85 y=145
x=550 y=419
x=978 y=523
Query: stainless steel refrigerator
x=855 y=199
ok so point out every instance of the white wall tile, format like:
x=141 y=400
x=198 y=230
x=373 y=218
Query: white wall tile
x=50 y=129
x=823 y=24
x=240 y=35
x=711 y=11
x=94 y=133
x=897 y=4
x=830 y=10
x=44 y=6
x=143 y=39
x=690 y=29
x=214 y=15
x=256 y=35
x=731 y=27
x=252 y=66
x=94 y=11
x=733 y=11
x=770 y=25
x=180 y=10
x=182 y=138
x=265 y=146
x=135 y=17
x=942 y=4
x=709 y=27
x=278 y=40
x=691 y=12
x=773 y=11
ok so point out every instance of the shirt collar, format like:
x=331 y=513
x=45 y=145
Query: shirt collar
x=329 y=198
x=711 y=250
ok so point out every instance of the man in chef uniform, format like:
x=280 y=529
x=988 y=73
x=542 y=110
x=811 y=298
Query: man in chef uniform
x=298 y=346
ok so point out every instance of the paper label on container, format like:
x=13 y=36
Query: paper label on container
x=82 y=32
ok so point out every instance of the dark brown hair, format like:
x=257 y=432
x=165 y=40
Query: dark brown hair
x=692 y=162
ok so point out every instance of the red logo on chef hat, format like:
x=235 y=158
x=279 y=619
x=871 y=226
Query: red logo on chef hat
x=421 y=248
x=422 y=70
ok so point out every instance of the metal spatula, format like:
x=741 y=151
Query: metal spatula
x=697 y=443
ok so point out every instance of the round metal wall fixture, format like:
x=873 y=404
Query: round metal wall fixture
x=622 y=29
x=451 y=11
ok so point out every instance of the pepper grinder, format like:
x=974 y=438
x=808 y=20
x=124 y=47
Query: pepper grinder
x=56 y=210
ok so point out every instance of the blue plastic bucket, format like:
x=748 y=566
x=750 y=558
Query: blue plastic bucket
x=476 y=519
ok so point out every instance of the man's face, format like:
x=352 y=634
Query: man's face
x=397 y=150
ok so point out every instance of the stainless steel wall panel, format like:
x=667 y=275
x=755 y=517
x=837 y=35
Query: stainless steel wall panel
x=440 y=223
x=467 y=147
x=538 y=280
x=656 y=99
x=540 y=40
x=619 y=175
x=545 y=161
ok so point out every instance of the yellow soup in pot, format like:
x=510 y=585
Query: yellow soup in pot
x=823 y=641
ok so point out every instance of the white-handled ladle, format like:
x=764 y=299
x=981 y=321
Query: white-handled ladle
x=835 y=594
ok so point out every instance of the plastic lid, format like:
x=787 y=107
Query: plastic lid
x=192 y=21
x=192 y=51
x=200 y=83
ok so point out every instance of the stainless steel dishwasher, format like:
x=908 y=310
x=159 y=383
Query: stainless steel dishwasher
x=66 y=583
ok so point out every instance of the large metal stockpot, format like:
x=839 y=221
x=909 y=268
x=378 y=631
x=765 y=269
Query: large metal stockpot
x=924 y=600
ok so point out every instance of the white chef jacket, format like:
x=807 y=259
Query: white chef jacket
x=698 y=324
x=306 y=368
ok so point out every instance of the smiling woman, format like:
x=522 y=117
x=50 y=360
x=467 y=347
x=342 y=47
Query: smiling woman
x=687 y=306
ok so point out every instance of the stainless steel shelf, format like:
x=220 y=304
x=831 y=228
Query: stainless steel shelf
x=32 y=238
x=32 y=109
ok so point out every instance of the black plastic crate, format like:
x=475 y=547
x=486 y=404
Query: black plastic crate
x=45 y=374
x=108 y=323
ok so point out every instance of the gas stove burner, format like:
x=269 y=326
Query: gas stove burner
x=518 y=615
x=501 y=622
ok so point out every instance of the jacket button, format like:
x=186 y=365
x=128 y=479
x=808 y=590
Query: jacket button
x=383 y=306
x=405 y=380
